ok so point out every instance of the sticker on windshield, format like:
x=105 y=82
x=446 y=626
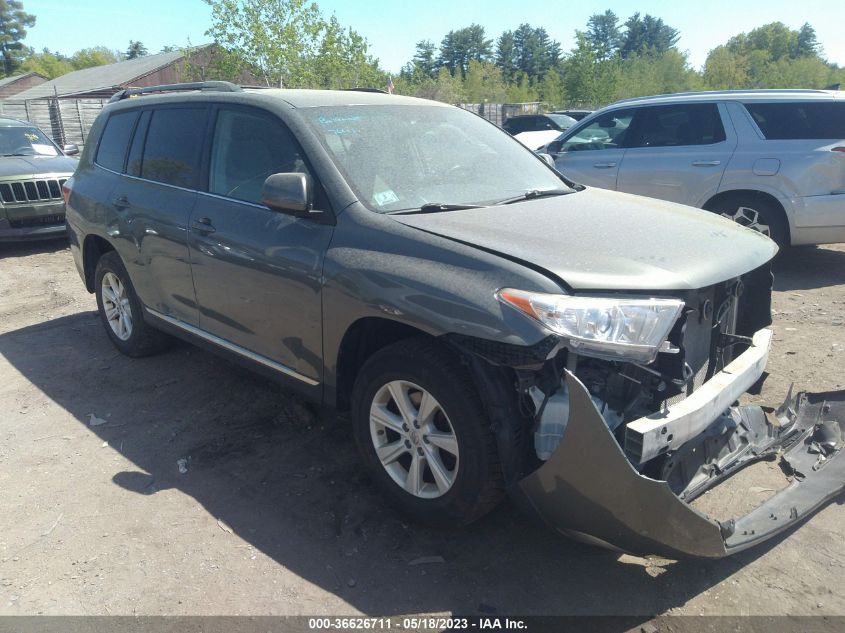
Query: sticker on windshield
x=385 y=197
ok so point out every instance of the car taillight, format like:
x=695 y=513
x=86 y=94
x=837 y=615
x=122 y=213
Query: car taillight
x=66 y=189
x=841 y=148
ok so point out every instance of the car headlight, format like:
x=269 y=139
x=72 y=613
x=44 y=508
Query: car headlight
x=628 y=328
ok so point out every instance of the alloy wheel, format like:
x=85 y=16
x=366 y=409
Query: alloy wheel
x=414 y=439
x=749 y=218
x=116 y=306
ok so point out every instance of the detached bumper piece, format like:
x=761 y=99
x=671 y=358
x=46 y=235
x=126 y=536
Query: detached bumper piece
x=590 y=490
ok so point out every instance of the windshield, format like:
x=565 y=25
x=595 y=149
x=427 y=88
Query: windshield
x=564 y=122
x=25 y=141
x=404 y=157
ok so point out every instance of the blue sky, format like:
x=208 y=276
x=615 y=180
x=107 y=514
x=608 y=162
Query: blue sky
x=394 y=26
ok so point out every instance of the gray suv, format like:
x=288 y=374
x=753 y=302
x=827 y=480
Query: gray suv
x=772 y=160
x=488 y=325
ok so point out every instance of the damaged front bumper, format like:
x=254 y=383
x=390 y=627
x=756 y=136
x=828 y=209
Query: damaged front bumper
x=591 y=490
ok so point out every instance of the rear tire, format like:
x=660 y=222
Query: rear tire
x=415 y=409
x=121 y=311
x=755 y=213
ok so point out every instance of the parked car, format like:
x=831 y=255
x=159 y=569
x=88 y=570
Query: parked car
x=488 y=324
x=575 y=114
x=537 y=122
x=772 y=160
x=537 y=140
x=32 y=171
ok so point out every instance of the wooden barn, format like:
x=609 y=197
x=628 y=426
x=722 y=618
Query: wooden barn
x=11 y=86
x=149 y=70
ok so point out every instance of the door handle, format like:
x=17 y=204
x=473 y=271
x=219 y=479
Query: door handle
x=604 y=165
x=203 y=225
x=706 y=163
x=120 y=202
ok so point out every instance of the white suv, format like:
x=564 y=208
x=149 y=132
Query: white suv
x=773 y=160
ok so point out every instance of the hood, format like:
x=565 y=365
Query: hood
x=16 y=166
x=603 y=240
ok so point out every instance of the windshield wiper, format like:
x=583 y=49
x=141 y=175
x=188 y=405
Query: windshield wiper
x=436 y=207
x=536 y=193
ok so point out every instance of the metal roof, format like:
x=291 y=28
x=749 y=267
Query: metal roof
x=10 y=80
x=106 y=77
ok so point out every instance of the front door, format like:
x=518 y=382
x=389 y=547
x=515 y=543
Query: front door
x=591 y=154
x=257 y=272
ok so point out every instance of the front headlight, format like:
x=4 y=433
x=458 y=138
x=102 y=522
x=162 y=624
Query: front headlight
x=608 y=327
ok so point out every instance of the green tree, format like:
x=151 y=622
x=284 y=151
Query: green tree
x=587 y=80
x=460 y=46
x=136 y=49
x=277 y=39
x=13 y=24
x=603 y=34
x=484 y=82
x=342 y=61
x=552 y=92
x=647 y=33
x=426 y=58
x=506 y=56
x=522 y=91
x=94 y=56
x=725 y=70
x=47 y=63
x=534 y=52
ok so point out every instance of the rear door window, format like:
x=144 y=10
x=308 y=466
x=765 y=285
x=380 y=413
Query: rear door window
x=799 y=120
x=115 y=140
x=677 y=126
x=173 y=146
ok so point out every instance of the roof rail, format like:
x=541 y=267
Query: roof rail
x=378 y=90
x=205 y=86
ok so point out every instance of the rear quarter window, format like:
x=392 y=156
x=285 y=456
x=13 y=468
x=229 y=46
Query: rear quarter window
x=115 y=140
x=799 y=120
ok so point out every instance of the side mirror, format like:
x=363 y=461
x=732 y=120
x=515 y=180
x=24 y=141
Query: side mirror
x=71 y=149
x=548 y=158
x=288 y=193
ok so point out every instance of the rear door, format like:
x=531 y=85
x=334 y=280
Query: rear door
x=677 y=152
x=152 y=202
x=591 y=153
x=257 y=272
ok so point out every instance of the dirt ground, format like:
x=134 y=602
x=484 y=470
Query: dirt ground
x=273 y=514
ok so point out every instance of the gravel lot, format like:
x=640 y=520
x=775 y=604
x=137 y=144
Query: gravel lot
x=273 y=514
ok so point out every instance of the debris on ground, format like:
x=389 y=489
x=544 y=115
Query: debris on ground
x=222 y=525
x=93 y=420
x=182 y=464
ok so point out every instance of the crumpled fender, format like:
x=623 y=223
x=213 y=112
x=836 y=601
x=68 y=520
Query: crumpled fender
x=589 y=488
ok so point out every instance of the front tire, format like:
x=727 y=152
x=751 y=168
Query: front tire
x=121 y=310
x=424 y=436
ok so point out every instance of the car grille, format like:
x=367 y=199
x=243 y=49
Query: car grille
x=27 y=191
x=41 y=220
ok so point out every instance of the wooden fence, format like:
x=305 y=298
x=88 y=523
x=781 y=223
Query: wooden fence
x=65 y=120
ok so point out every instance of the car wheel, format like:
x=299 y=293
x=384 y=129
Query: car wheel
x=120 y=310
x=424 y=436
x=756 y=214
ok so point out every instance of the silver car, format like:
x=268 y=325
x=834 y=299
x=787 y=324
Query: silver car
x=773 y=160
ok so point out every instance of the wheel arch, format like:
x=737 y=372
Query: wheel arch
x=362 y=339
x=93 y=248
x=769 y=198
